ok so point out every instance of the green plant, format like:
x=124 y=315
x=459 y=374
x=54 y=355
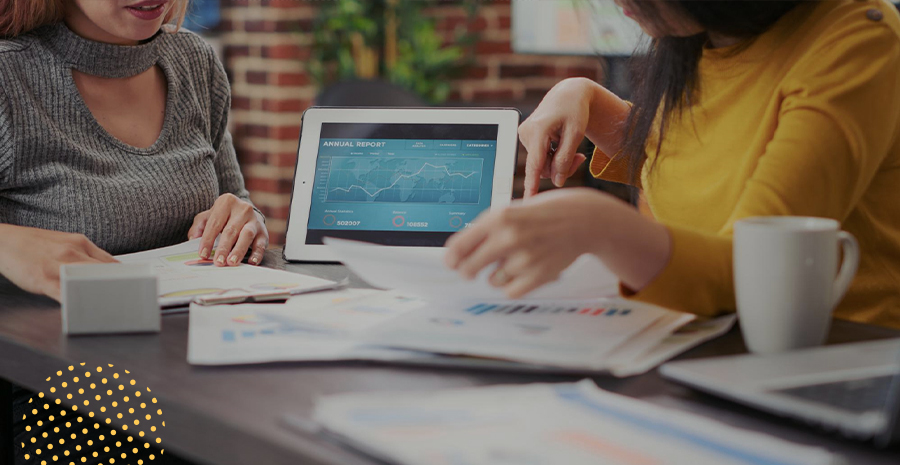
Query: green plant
x=390 y=40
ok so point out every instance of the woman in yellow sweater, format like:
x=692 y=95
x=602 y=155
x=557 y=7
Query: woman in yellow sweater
x=743 y=109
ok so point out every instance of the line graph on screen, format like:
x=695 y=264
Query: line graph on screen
x=405 y=180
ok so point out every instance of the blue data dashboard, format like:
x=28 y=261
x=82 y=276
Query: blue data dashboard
x=396 y=183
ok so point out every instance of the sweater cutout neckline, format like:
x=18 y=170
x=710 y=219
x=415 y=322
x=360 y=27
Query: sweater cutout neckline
x=102 y=59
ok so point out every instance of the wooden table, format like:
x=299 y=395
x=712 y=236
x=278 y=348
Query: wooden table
x=232 y=415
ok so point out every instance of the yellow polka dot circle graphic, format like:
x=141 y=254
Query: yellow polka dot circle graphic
x=93 y=415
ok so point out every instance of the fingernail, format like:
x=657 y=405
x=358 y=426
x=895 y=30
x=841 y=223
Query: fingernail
x=220 y=260
x=232 y=259
x=204 y=253
x=254 y=259
x=559 y=180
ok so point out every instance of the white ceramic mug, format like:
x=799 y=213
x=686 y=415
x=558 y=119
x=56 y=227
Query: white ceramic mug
x=786 y=279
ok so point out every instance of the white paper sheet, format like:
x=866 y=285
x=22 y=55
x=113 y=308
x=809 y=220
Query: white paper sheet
x=313 y=327
x=183 y=275
x=421 y=272
x=543 y=424
x=686 y=337
x=567 y=334
x=645 y=341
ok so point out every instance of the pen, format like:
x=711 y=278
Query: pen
x=240 y=299
x=265 y=297
x=272 y=297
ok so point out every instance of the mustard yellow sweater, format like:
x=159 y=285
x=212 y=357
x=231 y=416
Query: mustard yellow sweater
x=803 y=121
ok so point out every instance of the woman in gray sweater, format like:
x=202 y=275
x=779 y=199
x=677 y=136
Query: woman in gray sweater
x=113 y=139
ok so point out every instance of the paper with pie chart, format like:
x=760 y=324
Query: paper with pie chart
x=183 y=275
x=314 y=327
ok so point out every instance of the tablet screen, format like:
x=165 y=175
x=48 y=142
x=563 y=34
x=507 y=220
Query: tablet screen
x=400 y=184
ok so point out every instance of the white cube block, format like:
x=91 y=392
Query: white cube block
x=109 y=298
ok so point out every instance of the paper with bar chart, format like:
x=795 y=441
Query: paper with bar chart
x=542 y=424
x=571 y=334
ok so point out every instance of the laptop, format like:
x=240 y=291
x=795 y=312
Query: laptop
x=853 y=389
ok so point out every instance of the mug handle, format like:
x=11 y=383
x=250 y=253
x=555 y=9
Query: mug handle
x=848 y=266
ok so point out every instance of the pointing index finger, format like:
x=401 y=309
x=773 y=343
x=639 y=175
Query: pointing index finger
x=562 y=159
x=537 y=153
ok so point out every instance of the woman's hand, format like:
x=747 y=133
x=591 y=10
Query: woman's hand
x=533 y=241
x=559 y=123
x=240 y=227
x=31 y=257
x=573 y=109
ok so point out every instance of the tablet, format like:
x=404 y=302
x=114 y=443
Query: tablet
x=397 y=176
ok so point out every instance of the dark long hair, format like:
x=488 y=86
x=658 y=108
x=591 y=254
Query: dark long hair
x=666 y=77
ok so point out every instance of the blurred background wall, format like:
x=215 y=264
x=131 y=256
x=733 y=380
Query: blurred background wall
x=280 y=54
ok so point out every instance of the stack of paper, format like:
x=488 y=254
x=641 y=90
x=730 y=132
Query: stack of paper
x=183 y=275
x=541 y=424
x=568 y=326
x=595 y=337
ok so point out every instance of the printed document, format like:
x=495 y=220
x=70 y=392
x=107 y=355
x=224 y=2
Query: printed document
x=183 y=275
x=568 y=334
x=357 y=324
x=313 y=327
x=541 y=424
x=421 y=272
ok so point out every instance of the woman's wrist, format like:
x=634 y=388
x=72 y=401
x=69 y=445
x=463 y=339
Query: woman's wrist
x=608 y=114
x=11 y=232
x=634 y=247
x=601 y=225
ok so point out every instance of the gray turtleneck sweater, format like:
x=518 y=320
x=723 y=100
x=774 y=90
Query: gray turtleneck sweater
x=60 y=170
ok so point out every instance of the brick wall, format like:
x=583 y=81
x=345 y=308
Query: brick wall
x=266 y=46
